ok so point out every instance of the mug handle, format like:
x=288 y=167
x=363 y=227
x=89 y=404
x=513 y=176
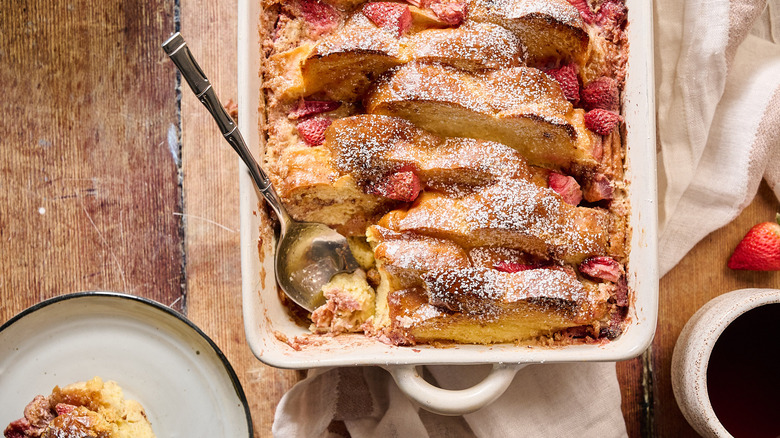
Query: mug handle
x=453 y=402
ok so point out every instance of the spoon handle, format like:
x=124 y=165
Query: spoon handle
x=180 y=54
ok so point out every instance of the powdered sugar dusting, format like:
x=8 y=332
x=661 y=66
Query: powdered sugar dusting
x=482 y=44
x=489 y=292
x=558 y=10
x=512 y=213
x=371 y=146
x=359 y=35
x=517 y=90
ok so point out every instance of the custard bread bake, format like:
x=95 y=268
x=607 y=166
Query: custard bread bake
x=81 y=410
x=472 y=151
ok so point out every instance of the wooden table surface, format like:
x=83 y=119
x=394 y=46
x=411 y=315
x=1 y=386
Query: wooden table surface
x=112 y=178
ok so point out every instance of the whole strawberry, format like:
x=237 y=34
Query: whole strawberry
x=759 y=250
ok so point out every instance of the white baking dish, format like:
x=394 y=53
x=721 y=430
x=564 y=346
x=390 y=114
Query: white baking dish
x=266 y=320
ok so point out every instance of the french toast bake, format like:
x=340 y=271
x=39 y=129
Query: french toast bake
x=472 y=151
x=80 y=410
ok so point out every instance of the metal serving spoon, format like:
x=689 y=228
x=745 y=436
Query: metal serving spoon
x=307 y=254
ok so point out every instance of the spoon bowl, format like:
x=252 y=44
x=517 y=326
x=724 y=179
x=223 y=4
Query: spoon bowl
x=308 y=254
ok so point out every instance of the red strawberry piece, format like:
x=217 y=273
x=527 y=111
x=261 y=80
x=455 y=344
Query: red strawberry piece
x=601 y=267
x=621 y=292
x=17 y=428
x=585 y=11
x=64 y=408
x=566 y=186
x=306 y=108
x=612 y=12
x=416 y=3
x=602 y=121
x=452 y=13
x=505 y=266
x=313 y=130
x=395 y=17
x=597 y=147
x=599 y=188
x=759 y=250
x=321 y=17
x=601 y=93
x=566 y=76
x=399 y=186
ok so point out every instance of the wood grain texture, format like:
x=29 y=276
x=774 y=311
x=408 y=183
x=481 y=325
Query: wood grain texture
x=635 y=407
x=701 y=276
x=211 y=211
x=88 y=185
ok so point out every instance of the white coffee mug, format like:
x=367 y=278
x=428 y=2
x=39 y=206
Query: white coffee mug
x=692 y=353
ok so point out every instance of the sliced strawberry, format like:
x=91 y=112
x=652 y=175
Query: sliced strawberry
x=504 y=266
x=306 y=108
x=17 y=429
x=394 y=17
x=399 y=186
x=759 y=250
x=621 y=292
x=452 y=13
x=319 y=16
x=602 y=267
x=585 y=11
x=566 y=186
x=602 y=121
x=599 y=188
x=64 y=408
x=313 y=130
x=612 y=12
x=566 y=76
x=416 y=3
x=597 y=147
x=601 y=93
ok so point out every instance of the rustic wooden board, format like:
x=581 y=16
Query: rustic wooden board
x=88 y=184
x=635 y=406
x=701 y=276
x=210 y=169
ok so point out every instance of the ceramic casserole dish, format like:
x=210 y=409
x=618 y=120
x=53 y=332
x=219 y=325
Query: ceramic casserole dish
x=267 y=321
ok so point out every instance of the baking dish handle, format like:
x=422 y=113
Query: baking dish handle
x=453 y=402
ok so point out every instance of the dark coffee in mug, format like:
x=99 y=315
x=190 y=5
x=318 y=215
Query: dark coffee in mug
x=743 y=375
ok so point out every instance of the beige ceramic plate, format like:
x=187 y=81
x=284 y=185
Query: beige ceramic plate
x=157 y=356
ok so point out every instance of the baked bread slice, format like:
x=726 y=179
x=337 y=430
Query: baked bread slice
x=512 y=214
x=552 y=30
x=520 y=107
x=343 y=65
x=502 y=307
x=371 y=146
x=405 y=257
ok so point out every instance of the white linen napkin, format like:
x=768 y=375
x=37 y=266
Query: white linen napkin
x=718 y=101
